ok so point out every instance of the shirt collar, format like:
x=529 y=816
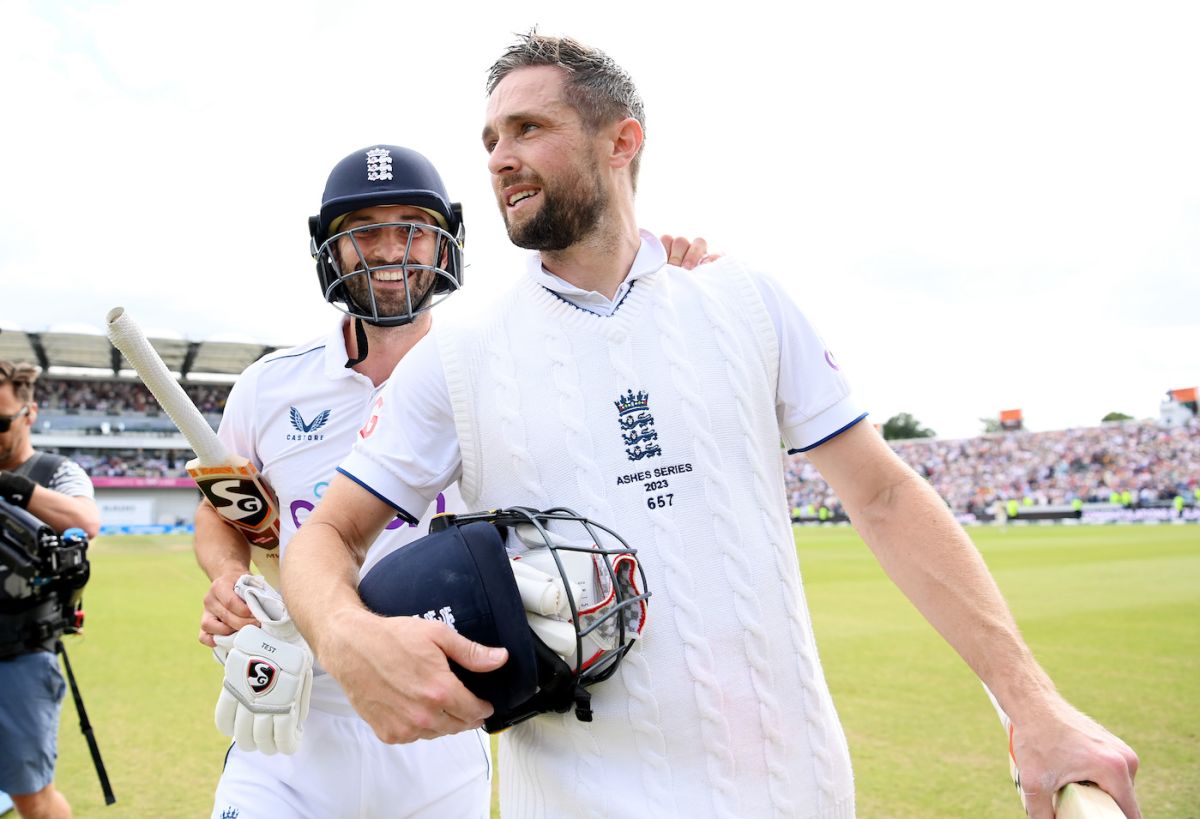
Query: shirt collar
x=336 y=353
x=650 y=257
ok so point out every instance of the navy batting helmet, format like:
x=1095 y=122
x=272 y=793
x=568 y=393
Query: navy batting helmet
x=350 y=272
x=567 y=607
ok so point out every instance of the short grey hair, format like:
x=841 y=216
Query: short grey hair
x=598 y=89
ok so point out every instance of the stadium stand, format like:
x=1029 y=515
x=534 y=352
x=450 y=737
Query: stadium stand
x=94 y=409
x=99 y=414
x=1131 y=464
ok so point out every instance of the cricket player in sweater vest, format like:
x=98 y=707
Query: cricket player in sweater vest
x=610 y=382
x=387 y=242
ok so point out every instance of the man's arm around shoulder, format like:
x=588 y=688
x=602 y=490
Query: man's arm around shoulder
x=394 y=670
x=928 y=555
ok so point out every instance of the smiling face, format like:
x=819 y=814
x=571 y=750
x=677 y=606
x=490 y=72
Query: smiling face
x=391 y=261
x=545 y=163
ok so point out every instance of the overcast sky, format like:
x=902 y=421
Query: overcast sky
x=981 y=207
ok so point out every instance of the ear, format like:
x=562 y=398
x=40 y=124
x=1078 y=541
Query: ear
x=627 y=137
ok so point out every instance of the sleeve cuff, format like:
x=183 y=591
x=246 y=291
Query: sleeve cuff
x=822 y=427
x=380 y=483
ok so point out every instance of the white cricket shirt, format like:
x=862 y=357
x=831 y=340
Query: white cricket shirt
x=412 y=451
x=295 y=414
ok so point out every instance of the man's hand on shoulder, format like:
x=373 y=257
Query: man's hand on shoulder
x=685 y=253
x=396 y=673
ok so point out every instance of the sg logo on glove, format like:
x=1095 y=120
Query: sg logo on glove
x=263 y=702
x=261 y=676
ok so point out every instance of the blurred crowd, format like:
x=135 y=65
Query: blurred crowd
x=132 y=464
x=1137 y=461
x=118 y=397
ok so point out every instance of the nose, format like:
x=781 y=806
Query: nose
x=502 y=160
x=391 y=243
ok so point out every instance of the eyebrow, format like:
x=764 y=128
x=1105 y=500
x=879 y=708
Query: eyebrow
x=361 y=219
x=509 y=119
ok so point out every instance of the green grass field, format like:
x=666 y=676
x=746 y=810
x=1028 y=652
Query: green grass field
x=1112 y=612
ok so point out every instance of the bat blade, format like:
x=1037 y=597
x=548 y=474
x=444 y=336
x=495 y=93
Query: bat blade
x=230 y=483
x=1076 y=800
x=241 y=497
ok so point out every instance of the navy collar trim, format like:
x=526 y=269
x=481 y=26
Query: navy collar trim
x=563 y=298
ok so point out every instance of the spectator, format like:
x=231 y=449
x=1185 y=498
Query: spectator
x=121 y=397
x=57 y=492
x=1055 y=468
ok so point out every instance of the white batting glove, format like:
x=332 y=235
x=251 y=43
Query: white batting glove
x=268 y=675
x=545 y=596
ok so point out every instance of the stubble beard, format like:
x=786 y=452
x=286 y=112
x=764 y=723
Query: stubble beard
x=389 y=303
x=566 y=215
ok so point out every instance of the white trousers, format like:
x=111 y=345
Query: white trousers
x=342 y=771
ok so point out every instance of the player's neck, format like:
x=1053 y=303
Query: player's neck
x=385 y=346
x=601 y=260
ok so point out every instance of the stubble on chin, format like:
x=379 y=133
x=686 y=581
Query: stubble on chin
x=392 y=303
x=560 y=221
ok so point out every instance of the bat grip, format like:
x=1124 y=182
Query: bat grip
x=127 y=336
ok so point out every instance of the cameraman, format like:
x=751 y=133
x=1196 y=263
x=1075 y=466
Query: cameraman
x=59 y=493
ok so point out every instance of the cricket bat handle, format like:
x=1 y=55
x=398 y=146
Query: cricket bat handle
x=1075 y=800
x=127 y=336
x=231 y=484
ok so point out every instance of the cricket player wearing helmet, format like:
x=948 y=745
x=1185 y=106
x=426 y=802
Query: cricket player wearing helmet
x=610 y=382
x=388 y=246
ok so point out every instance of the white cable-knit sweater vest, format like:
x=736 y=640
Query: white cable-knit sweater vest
x=659 y=421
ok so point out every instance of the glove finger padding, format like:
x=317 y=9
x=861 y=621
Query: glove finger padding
x=268 y=677
x=263 y=729
x=541 y=593
x=288 y=733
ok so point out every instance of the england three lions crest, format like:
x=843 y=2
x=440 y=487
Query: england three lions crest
x=637 y=425
x=379 y=164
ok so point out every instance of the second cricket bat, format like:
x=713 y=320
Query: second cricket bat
x=1077 y=800
x=229 y=482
